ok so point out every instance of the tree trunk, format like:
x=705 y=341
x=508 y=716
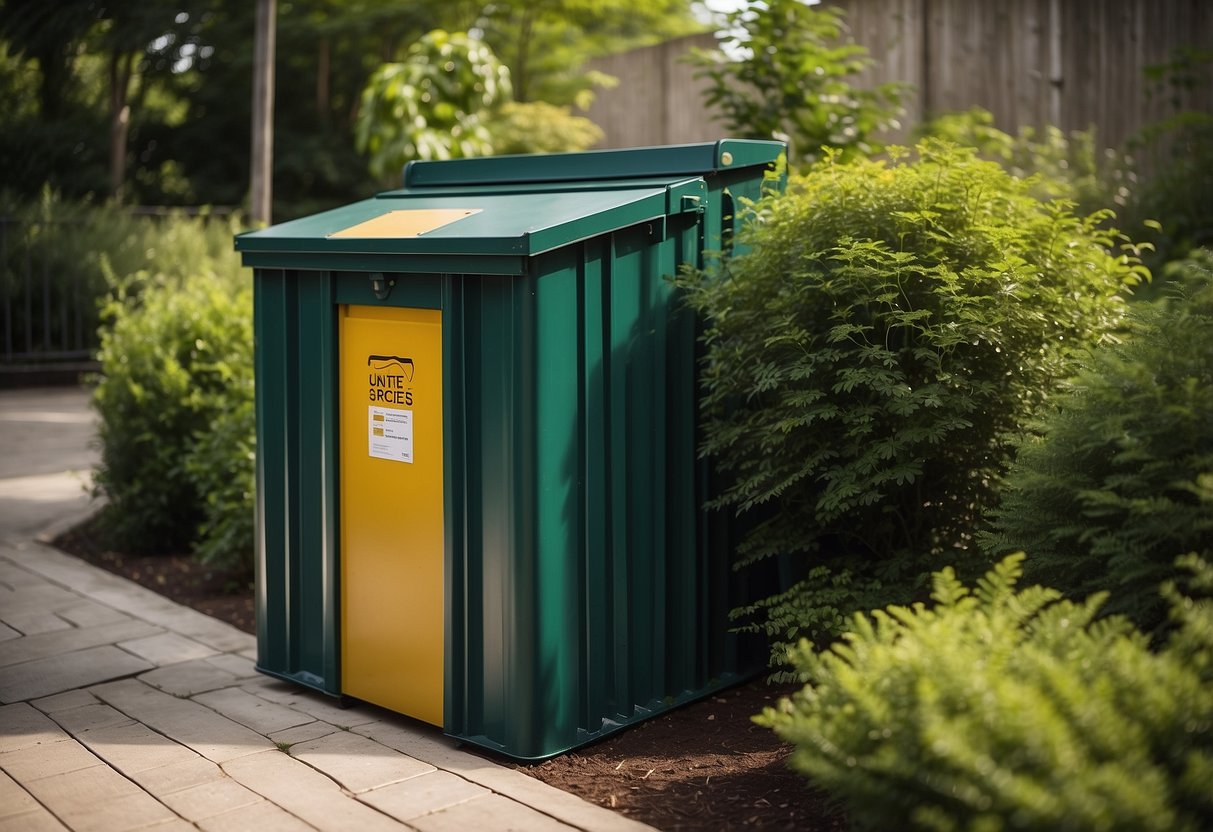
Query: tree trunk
x=55 y=70
x=121 y=67
x=324 y=62
x=522 y=68
x=261 y=178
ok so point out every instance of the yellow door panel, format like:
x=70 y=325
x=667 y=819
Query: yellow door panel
x=391 y=508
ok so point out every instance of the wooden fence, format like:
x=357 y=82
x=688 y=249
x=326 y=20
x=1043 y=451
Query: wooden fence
x=1072 y=63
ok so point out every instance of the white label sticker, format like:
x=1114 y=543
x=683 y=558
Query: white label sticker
x=391 y=434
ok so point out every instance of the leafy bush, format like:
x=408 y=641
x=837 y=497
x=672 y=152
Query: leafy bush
x=222 y=468
x=867 y=360
x=1178 y=152
x=1066 y=166
x=791 y=81
x=536 y=127
x=433 y=104
x=1001 y=709
x=173 y=396
x=58 y=240
x=1119 y=479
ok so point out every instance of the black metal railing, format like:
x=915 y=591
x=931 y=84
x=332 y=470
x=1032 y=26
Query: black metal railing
x=49 y=314
x=49 y=291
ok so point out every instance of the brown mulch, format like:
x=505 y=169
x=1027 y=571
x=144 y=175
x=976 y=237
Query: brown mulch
x=704 y=766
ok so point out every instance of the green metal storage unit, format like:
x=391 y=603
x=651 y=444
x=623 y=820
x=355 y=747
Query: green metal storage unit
x=478 y=494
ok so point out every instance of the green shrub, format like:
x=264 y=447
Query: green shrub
x=1119 y=479
x=222 y=469
x=997 y=709
x=60 y=240
x=173 y=397
x=1065 y=166
x=785 y=71
x=536 y=127
x=433 y=104
x=1178 y=153
x=866 y=362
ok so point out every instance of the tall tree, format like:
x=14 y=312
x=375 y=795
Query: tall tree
x=48 y=34
x=544 y=42
x=126 y=34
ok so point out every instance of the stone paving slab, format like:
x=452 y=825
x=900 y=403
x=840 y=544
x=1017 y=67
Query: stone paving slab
x=36 y=622
x=64 y=701
x=441 y=752
x=423 y=795
x=212 y=735
x=135 y=748
x=189 y=678
x=313 y=704
x=167 y=648
x=14 y=800
x=358 y=764
x=93 y=717
x=98 y=798
x=36 y=820
x=307 y=793
x=67 y=671
x=90 y=614
x=21 y=726
x=259 y=817
x=187 y=773
x=45 y=645
x=302 y=733
x=491 y=811
x=261 y=715
x=37 y=598
x=120 y=709
x=215 y=797
x=48 y=760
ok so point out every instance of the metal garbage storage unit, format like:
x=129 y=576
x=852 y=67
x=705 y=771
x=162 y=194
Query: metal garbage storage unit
x=478 y=497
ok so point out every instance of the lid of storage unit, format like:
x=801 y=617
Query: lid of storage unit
x=525 y=219
x=514 y=205
x=631 y=163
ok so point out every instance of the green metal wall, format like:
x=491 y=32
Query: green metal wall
x=585 y=589
x=583 y=597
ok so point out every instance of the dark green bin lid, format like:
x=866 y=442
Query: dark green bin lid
x=510 y=205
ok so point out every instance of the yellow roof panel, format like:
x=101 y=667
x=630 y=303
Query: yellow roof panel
x=407 y=223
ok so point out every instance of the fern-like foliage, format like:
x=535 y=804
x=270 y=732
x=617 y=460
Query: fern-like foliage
x=999 y=708
x=1118 y=479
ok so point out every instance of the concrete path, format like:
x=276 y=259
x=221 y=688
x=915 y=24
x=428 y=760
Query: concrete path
x=122 y=710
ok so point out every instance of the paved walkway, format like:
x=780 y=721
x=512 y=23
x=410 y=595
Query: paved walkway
x=122 y=710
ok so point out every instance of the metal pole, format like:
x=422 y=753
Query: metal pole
x=261 y=180
x=1057 y=77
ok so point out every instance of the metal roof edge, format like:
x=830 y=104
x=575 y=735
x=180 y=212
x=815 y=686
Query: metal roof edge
x=627 y=163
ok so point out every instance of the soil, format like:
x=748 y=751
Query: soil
x=704 y=766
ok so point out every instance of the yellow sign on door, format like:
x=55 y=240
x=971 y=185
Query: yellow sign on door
x=392 y=630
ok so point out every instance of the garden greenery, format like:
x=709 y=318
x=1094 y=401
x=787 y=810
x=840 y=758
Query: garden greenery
x=785 y=71
x=867 y=361
x=1062 y=165
x=1001 y=709
x=537 y=127
x=433 y=104
x=1178 y=151
x=57 y=241
x=1118 y=478
x=175 y=401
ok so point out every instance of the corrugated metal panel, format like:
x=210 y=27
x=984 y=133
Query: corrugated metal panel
x=584 y=588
